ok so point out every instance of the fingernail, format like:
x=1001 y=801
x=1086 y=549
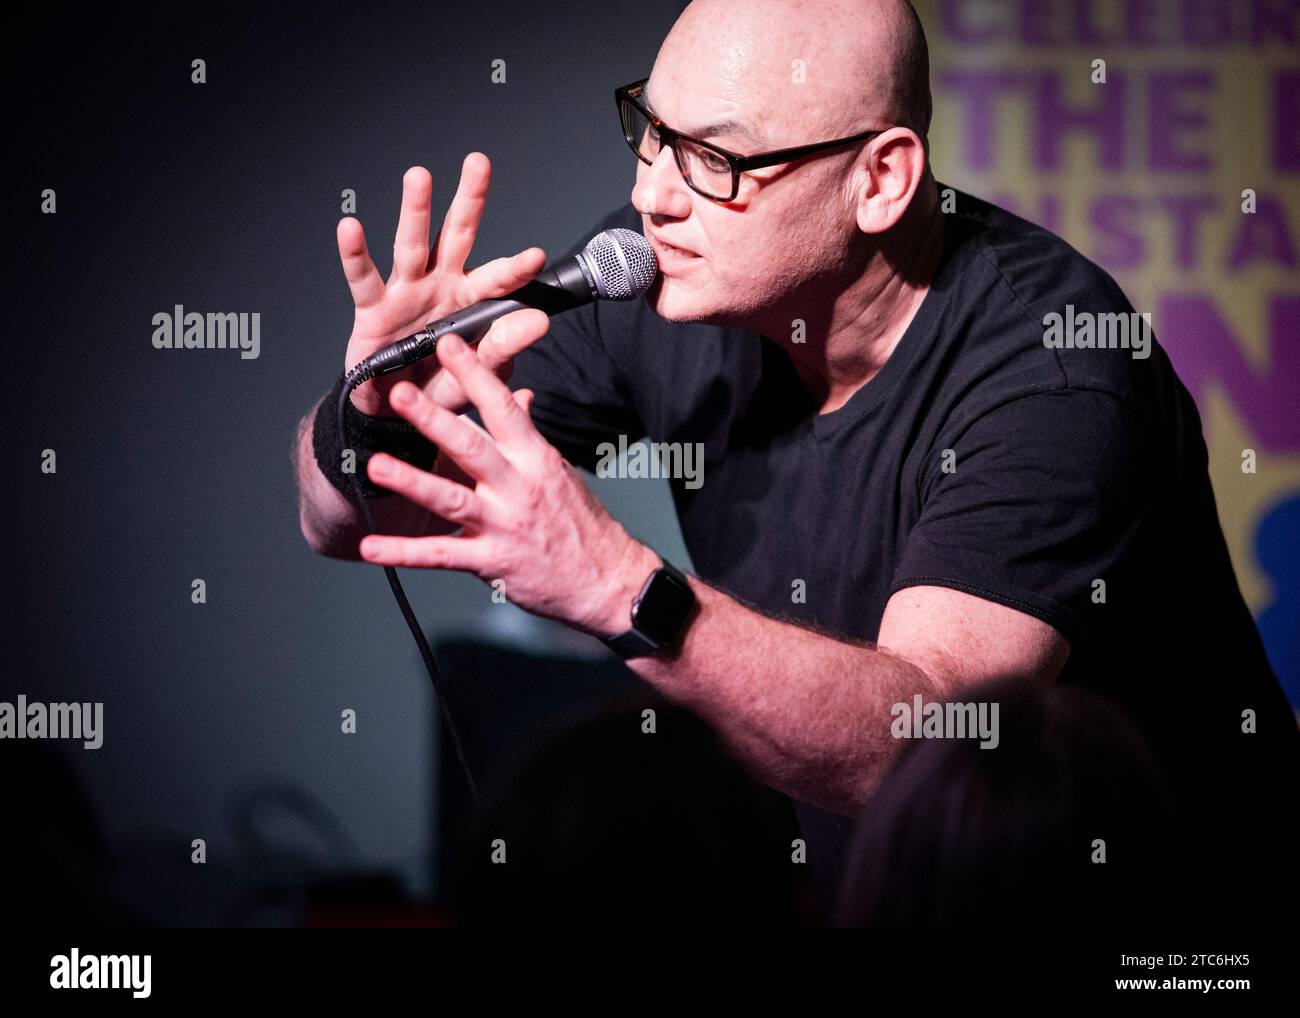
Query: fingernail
x=403 y=395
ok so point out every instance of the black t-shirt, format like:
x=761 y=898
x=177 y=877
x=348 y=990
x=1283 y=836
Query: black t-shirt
x=977 y=459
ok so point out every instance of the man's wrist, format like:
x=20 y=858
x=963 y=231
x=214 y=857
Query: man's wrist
x=659 y=613
x=635 y=566
x=366 y=436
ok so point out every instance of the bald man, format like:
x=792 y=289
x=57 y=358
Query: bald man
x=907 y=488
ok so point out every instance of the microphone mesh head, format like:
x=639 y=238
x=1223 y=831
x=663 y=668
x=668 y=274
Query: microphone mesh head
x=623 y=263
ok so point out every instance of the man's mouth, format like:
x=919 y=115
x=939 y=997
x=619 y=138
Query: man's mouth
x=670 y=253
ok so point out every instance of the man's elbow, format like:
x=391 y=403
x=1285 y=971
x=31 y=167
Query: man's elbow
x=844 y=787
x=329 y=544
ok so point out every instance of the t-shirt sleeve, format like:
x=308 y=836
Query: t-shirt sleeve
x=1041 y=497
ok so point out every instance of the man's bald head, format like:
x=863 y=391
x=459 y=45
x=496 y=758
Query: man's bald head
x=865 y=63
x=754 y=76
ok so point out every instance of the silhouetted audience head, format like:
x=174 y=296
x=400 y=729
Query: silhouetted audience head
x=609 y=821
x=962 y=836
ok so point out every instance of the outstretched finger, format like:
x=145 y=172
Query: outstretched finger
x=501 y=275
x=460 y=553
x=502 y=416
x=442 y=497
x=363 y=278
x=460 y=224
x=411 y=245
x=509 y=336
x=468 y=446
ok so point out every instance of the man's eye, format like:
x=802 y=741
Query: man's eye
x=713 y=161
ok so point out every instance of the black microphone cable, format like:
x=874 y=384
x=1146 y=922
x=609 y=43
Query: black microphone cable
x=616 y=264
x=361 y=373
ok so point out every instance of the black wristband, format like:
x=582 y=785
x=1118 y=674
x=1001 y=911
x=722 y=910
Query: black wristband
x=366 y=436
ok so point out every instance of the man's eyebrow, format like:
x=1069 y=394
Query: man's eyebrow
x=722 y=127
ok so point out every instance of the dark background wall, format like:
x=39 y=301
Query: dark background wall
x=175 y=465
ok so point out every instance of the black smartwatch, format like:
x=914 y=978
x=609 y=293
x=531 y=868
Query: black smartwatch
x=660 y=615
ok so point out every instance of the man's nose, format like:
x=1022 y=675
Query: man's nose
x=660 y=189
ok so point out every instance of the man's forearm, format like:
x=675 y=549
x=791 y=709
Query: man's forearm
x=810 y=714
x=331 y=523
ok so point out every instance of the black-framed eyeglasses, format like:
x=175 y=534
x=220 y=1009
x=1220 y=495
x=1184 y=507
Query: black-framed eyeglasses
x=708 y=170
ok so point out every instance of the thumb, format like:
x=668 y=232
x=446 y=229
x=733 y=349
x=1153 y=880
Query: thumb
x=524 y=397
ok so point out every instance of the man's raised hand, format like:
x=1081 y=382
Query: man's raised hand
x=427 y=284
x=526 y=516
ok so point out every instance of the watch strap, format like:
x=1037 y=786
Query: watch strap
x=630 y=644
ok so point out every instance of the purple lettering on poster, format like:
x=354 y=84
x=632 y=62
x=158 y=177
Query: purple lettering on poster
x=961 y=23
x=1036 y=24
x=1185 y=212
x=1264 y=236
x=1116 y=220
x=978 y=92
x=1276 y=22
x=1286 y=122
x=1204 y=349
x=1141 y=21
x=1207 y=23
x=1054 y=118
x=1174 y=112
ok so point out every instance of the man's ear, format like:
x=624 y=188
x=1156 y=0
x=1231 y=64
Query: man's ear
x=890 y=170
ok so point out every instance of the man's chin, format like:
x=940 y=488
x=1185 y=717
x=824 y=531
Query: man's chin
x=676 y=305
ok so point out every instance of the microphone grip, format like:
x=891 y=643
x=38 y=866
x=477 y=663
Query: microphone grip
x=553 y=290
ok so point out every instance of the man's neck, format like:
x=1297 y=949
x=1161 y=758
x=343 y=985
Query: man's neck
x=859 y=327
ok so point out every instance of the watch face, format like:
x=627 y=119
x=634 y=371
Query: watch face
x=664 y=608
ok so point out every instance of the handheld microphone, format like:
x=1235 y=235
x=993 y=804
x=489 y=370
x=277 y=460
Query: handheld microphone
x=615 y=265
